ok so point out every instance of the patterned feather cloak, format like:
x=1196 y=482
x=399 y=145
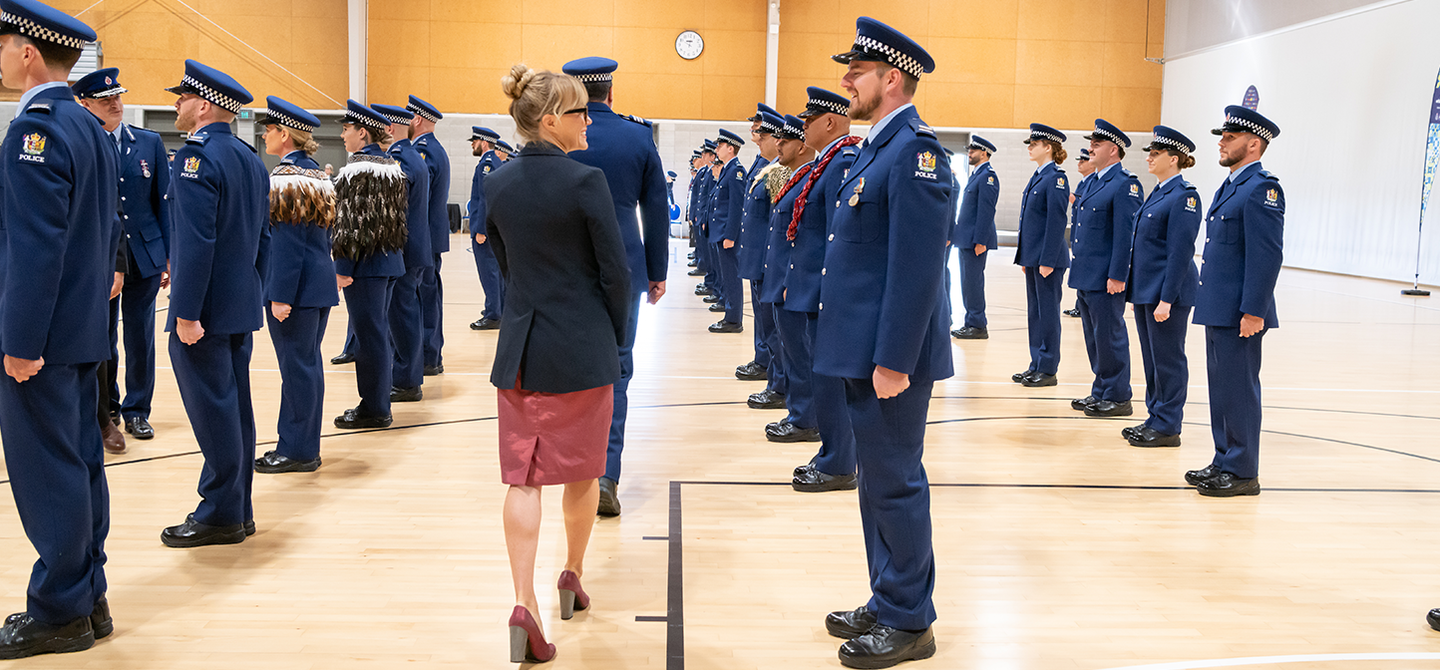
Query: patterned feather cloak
x=371 y=196
x=301 y=197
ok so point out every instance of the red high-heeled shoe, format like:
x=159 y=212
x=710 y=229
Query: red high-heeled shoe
x=526 y=642
x=572 y=597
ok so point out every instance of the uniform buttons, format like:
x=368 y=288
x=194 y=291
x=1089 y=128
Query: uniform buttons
x=1207 y=240
x=792 y=266
x=822 y=272
x=822 y=305
x=127 y=216
x=832 y=237
x=122 y=198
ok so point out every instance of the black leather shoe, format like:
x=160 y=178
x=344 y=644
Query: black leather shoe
x=249 y=527
x=716 y=307
x=273 y=463
x=692 y=264
x=885 y=647
x=192 y=533
x=1019 y=377
x=1433 y=618
x=752 y=372
x=100 y=620
x=412 y=394
x=1194 y=477
x=1226 y=485
x=766 y=399
x=343 y=358
x=852 y=624
x=483 y=323
x=1072 y=312
x=433 y=370
x=970 y=333
x=140 y=428
x=23 y=636
x=789 y=432
x=711 y=299
x=351 y=420
x=811 y=480
x=701 y=289
x=609 y=498
x=1082 y=404
x=1149 y=437
x=1037 y=378
x=1109 y=408
x=697 y=272
x=724 y=326
x=1131 y=431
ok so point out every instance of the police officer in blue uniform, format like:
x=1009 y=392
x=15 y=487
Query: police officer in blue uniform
x=1086 y=170
x=710 y=285
x=1100 y=244
x=1043 y=253
x=1244 y=235
x=800 y=423
x=623 y=147
x=884 y=330
x=754 y=234
x=406 y=325
x=727 y=200
x=299 y=285
x=483 y=144
x=504 y=151
x=144 y=181
x=57 y=171
x=432 y=290
x=221 y=196
x=1162 y=286
x=975 y=236
x=827 y=131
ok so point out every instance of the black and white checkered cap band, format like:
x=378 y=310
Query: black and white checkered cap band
x=829 y=106
x=591 y=78
x=1108 y=136
x=1250 y=127
x=30 y=28
x=1170 y=142
x=272 y=116
x=892 y=55
x=417 y=111
x=109 y=92
x=393 y=118
x=352 y=117
x=226 y=102
x=981 y=147
x=1042 y=135
x=771 y=128
x=791 y=132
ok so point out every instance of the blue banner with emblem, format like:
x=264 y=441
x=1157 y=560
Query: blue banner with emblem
x=1432 y=160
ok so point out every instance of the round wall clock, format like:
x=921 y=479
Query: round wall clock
x=689 y=45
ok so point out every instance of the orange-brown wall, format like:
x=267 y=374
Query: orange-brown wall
x=999 y=63
x=453 y=52
x=149 y=41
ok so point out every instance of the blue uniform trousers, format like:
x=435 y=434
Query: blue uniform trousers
x=136 y=304
x=57 y=475
x=490 y=280
x=350 y=339
x=1167 y=371
x=1107 y=343
x=1042 y=311
x=731 y=293
x=368 y=301
x=895 y=501
x=972 y=286
x=764 y=325
x=798 y=349
x=302 y=380
x=214 y=379
x=407 y=330
x=432 y=299
x=710 y=265
x=622 y=398
x=837 y=439
x=1233 y=366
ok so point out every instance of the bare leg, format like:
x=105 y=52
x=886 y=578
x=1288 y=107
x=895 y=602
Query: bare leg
x=579 y=503
x=522 y=535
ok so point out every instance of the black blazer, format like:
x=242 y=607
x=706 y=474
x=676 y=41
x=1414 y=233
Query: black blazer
x=551 y=223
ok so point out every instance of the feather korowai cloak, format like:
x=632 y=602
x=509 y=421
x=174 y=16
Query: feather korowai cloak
x=301 y=197
x=371 y=196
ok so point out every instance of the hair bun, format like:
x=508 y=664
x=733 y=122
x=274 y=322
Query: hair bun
x=514 y=84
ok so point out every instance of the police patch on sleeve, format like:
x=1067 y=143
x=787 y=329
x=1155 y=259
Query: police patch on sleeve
x=1059 y=182
x=1190 y=203
x=485 y=170
x=1134 y=190
x=191 y=168
x=991 y=181
x=33 y=148
x=925 y=165
x=1272 y=198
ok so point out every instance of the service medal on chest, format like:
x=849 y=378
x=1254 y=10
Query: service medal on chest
x=145 y=169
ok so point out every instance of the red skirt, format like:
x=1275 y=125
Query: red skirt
x=553 y=438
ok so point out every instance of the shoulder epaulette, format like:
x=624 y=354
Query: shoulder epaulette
x=1126 y=172
x=925 y=130
x=1187 y=185
x=197 y=139
x=635 y=119
x=1269 y=175
x=421 y=142
x=38 y=107
x=849 y=150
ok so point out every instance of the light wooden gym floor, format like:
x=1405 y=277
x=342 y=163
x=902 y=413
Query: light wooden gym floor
x=1058 y=546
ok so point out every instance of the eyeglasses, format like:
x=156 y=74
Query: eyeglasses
x=579 y=110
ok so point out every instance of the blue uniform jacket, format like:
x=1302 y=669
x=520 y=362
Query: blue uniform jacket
x=385 y=264
x=59 y=196
x=1162 y=268
x=702 y=203
x=221 y=200
x=144 y=181
x=438 y=163
x=777 y=248
x=976 y=222
x=1042 y=220
x=692 y=211
x=807 y=252
x=881 y=299
x=475 y=209
x=301 y=271
x=727 y=198
x=1104 y=229
x=1244 y=237
x=623 y=147
x=754 y=223
x=418 y=252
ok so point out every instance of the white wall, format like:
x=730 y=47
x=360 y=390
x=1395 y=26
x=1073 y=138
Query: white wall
x=1352 y=98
